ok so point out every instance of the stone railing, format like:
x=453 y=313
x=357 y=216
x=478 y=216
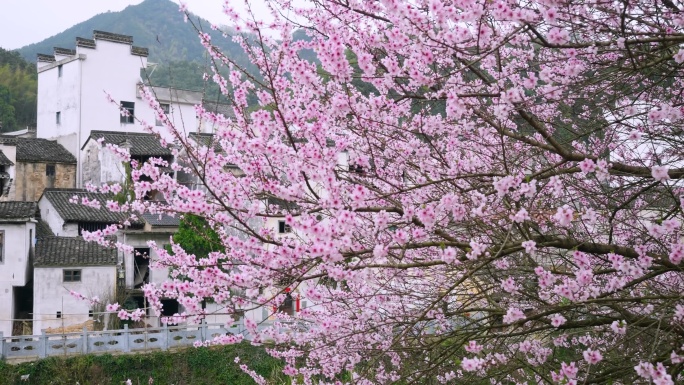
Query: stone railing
x=111 y=341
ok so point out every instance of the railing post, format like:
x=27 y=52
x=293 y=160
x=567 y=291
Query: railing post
x=165 y=333
x=127 y=348
x=43 y=345
x=84 y=347
x=2 y=346
x=204 y=330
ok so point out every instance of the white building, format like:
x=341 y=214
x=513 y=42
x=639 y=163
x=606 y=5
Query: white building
x=129 y=270
x=17 y=237
x=73 y=87
x=64 y=264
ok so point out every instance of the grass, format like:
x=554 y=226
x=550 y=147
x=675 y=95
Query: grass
x=192 y=366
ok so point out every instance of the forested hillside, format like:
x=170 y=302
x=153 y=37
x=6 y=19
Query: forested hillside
x=17 y=91
x=154 y=24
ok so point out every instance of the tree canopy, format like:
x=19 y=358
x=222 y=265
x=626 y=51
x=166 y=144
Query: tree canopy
x=18 y=87
x=502 y=206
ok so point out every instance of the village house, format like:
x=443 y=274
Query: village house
x=72 y=100
x=65 y=264
x=132 y=269
x=18 y=222
x=31 y=165
x=75 y=114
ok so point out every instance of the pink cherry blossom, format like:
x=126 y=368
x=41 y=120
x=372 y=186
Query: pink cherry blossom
x=660 y=173
x=442 y=171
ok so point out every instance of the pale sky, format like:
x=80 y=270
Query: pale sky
x=24 y=22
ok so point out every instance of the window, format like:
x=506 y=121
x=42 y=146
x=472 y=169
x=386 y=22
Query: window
x=72 y=275
x=50 y=170
x=59 y=314
x=283 y=227
x=59 y=71
x=166 y=108
x=128 y=112
x=141 y=272
x=2 y=246
x=90 y=314
x=58 y=117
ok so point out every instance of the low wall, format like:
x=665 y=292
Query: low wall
x=112 y=341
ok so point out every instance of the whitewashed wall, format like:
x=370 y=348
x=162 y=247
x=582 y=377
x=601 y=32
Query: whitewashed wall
x=60 y=94
x=51 y=294
x=49 y=214
x=14 y=268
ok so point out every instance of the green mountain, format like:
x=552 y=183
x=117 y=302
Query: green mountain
x=154 y=24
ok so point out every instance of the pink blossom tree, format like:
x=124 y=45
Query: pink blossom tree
x=477 y=190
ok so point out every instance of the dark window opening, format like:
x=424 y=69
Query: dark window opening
x=59 y=71
x=283 y=227
x=91 y=226
x=166 y=108
x=357 y=169
x=90 y=314
x=287 y=306
x=58 y=117
x=50 y=170
x=141 y=274
x=72 y=275
x=59 y=314
x=2 y=246
x=128 y=112
x=170 y=307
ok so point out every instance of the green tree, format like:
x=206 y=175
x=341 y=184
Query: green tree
x=18 y=87
x=197 y=237
x=7 y=118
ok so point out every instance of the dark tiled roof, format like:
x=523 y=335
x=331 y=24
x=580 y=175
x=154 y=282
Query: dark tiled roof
x=85 y=43
x=141 y=144
x=72 y=251
x=161 y=220
x=204 y=139
x=281 y=204
x=43 y=230
x=64 y=51
x=77 y=212
x=177 y=95
x=46 y=58
x=219 y=108
x=115 y=37
x=139 y=51
x=18 y=210
x=4 y=161
x=42 y=150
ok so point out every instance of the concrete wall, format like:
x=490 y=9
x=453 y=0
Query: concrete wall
x=51 y=294
x=100 y=165
x=31 y=179
x=14 y=268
